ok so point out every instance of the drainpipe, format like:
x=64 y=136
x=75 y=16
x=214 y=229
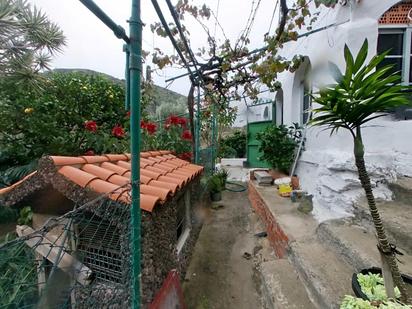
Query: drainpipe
x=135 y=69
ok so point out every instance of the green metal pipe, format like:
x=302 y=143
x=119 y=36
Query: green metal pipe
x=100 y=14
x=198 y=124
x=135 y=69
x=127 y=77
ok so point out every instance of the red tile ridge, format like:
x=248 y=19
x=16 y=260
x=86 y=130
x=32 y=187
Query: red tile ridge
x=145 y=155
x=155 y=153
x=62 y=160
x=116 y=157
x=95 y=159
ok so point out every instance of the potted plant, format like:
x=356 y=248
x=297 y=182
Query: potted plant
x=215 y=186
x=278 y=145
x=362 y=93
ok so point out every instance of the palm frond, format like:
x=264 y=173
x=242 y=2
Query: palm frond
x=363 y=93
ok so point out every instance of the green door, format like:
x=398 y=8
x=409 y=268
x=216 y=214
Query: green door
x=253 y=154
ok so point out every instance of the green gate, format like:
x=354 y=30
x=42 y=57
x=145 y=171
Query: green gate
x=253 y=154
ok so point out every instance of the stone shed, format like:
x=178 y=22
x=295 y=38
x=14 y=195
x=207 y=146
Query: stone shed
x=90 y=197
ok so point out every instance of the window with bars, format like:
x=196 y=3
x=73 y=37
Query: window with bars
x=398 y=40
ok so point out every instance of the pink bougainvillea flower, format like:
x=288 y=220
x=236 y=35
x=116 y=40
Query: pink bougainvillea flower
x=89 y=152
x=151 y=128
x=187 y=135
x=90 y=126
x=118 y=131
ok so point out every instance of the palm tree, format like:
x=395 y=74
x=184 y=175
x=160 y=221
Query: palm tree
x=363 y=93
x=28 y=40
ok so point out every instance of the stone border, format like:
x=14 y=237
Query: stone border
x=277 y=237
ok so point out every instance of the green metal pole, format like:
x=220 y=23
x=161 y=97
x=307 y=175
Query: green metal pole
x=135 y=69
x=127 y=74
x=197 y=154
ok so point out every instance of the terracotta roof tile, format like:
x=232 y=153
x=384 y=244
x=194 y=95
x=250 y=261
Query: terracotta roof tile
x=95 y=159
x=78 y=176
x=161 y=175
x=98 y=171
x=10 y=188
x=116 y=157
x=58 y=160
x=115 y=168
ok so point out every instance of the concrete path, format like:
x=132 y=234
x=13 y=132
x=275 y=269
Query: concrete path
x=220 y=274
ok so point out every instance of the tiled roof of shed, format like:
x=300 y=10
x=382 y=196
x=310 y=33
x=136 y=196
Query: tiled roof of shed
x=162 y=174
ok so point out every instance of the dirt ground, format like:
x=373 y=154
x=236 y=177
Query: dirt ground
x=222 y=274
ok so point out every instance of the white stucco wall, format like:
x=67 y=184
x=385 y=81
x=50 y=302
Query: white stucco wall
x=326 y=167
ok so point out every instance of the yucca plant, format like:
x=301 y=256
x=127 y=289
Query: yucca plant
x=365 y=91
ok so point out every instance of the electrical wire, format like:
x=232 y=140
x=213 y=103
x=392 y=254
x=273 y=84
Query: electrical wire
x=273 y=16
x=217 y=14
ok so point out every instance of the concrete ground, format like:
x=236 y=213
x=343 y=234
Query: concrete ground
x=222 y=272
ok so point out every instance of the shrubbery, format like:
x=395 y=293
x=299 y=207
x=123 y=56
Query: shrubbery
x=233 y=146
x=278 y=145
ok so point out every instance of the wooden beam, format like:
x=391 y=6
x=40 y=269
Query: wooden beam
x=46 y=247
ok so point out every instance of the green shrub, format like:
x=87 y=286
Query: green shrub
x=76 y=113
x=233 y=146
x=278 y=145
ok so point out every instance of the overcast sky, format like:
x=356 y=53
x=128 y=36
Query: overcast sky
x=91 y=45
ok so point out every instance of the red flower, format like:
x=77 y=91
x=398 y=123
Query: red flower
x=118 y=131
x=185 y=156
x=89 y=152
x=90 y=126
x=182 y=122
x=151 y=128
x=173 y=120
x=187 y=135
x=128 y=114
x=143 y=124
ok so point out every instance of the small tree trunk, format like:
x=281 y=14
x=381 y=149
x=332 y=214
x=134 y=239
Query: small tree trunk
x=383 y=243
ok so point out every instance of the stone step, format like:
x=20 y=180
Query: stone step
x=281 y=286
x=356 y=245
x=402 y=189
x=396 y=218
x=326 y=277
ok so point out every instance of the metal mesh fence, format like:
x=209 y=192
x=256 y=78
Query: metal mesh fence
x=78 y=260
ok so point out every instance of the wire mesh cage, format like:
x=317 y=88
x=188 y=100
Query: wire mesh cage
x=78 y=260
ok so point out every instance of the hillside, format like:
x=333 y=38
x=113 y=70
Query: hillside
x=165 y=101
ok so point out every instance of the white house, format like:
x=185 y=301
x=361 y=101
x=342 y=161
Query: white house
x=326 y=167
